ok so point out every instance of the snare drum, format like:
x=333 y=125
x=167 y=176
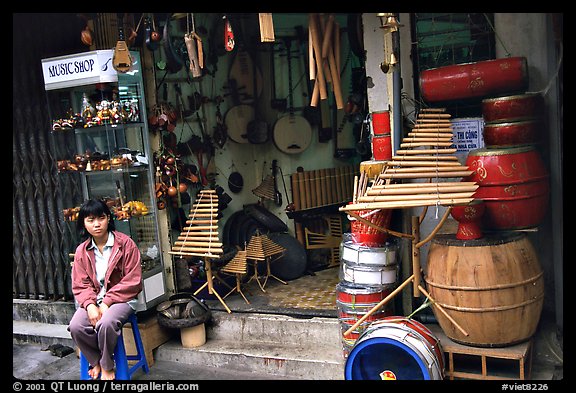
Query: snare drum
x=396 y=348
x=358 y=254
x=353 y=303
x=368 y=274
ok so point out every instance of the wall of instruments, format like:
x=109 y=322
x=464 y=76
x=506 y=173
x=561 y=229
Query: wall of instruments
x=273 y=91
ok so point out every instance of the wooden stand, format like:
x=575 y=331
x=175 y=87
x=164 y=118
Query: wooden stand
x=200 y=238
x=210 y=283
x=467 y=362
x=237 y=266
x=261 y=248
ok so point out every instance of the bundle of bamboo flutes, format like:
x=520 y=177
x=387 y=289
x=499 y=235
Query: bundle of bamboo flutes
x=324 y=57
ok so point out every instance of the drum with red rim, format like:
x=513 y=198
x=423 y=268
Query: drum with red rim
x=511 y=134
x=396 y=348
x=513 y=108
x=382 y=147
x=474 y=80
x=514 y=185
x=355 y=301
x=380 y=122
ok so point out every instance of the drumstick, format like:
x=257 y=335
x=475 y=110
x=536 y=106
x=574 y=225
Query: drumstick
x=379 y=305
x=321 y=31
x=441 y=309
x=315 y=94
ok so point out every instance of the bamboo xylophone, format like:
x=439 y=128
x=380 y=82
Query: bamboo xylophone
x=426 y=153
x=200 y=237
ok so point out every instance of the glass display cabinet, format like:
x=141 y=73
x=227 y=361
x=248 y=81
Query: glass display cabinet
x=101 y=145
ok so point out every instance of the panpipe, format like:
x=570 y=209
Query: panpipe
x=322 y=187
x=425 y=153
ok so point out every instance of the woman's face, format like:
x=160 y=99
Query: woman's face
x=96 y=226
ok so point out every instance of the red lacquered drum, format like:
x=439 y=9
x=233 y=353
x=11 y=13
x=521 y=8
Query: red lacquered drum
x=473 y=80
x=396 y=348
x=469 y=219
x=513 y=108
x=514 y=186
x=365 y=235
x=382 y=147
x=513 y=134
x=380 y=123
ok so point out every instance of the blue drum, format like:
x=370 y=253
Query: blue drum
x=396 y=348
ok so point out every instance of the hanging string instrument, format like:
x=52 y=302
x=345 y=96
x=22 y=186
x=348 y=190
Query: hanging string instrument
x=121 y=59
x=292 y=133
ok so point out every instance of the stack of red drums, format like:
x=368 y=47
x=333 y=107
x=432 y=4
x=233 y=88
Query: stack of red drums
x=380 y=135
x=513 y=120
x=514 y=182
x=509 y=170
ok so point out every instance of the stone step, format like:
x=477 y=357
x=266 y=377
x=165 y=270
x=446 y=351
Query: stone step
x=281 y=346
x=53 y=312
x=45 y=334
x=290 y=361
x=274 y=328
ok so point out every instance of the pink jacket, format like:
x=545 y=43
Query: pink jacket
x=123 y=280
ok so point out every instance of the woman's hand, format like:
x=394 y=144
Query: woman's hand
x=94 y=314
x=103 y=308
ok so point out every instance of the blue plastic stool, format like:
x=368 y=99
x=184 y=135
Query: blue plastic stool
x=123 y=370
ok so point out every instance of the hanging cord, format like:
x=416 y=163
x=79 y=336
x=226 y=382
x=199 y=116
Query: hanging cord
x=508 y=54
x=560 y=59
x=192 y=218
x=211 y=223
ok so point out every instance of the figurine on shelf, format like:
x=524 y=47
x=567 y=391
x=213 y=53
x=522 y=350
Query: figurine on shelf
x=104 y=113
x=131 y=108
x=117 y=113
x=88 y=111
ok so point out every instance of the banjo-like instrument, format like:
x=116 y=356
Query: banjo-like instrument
x=121 y=59
x=292 y=133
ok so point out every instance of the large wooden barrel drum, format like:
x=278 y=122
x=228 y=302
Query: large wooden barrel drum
x=493 y=287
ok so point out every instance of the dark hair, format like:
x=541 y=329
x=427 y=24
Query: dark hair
x=96 y=208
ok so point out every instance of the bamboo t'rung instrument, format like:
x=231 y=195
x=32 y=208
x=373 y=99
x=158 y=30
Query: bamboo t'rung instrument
x=425 y=154
x=200 y=238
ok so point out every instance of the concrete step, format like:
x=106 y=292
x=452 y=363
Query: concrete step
x=290 y=361
x=274 y=328
x=278 y=345
x=45 y=334
x=45 y=311
x=281 y=346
